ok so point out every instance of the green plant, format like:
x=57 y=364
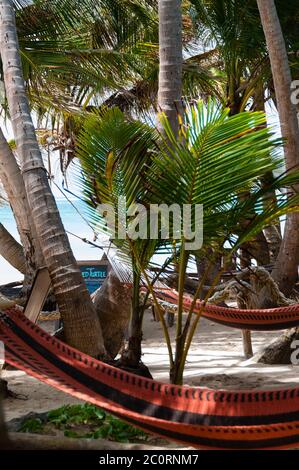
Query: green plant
x=73 y=418
x=114 y=153
x=85 y=421
x=216 y=159
x=33 y=425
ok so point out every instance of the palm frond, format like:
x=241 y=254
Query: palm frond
x=218 y=159
x=114 y=153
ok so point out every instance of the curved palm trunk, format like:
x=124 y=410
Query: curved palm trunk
x=81 y=325
x=171 y=61
x=285 y=271
x=11 y=250
x=13 y=184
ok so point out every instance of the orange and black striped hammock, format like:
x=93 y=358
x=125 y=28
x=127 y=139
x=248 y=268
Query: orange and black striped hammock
x=198 y=417
x=269 y=319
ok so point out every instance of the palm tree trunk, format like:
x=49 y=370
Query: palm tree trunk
x=81 y=324
x=4 y=442
x=169 y=102
x=272 y=233
x=11 y=250
x=13 y=184
x=285 y=271
x=132 y=356
x=171 y=61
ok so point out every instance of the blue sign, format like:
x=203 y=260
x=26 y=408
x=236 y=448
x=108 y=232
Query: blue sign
x=93 y=274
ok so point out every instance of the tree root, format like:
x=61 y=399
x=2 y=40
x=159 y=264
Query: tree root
x=280 y=350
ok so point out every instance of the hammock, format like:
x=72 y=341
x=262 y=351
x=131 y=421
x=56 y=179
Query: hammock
x=260 y=320
x=270 y=319
x=194 y=416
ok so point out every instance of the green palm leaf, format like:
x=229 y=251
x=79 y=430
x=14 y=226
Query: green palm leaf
x=218 y=159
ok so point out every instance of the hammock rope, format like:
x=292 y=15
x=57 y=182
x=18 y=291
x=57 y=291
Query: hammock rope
x=194 y=416
x=270 y=319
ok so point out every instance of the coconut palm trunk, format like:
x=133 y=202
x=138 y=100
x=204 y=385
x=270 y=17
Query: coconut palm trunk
x=82 y=327
x=170 y=92
x=4 y=442
x=285 y=271
x=169 y=103
x=171 y=61
x=11 y=250
x=13 y=184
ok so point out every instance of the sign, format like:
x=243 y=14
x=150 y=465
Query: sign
x=94 y=273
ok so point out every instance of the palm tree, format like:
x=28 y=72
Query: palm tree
x=171 y=61
x=82 y=327
x=285 y=272
x=218 y=157
x=107 y=176
x=77 y=52
x=13 y=184
x=196 y=184
x=236 y=30
x=232 y=28
x=115 y=54
x=51 y=60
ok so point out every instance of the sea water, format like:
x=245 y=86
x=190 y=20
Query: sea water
x=72 y=221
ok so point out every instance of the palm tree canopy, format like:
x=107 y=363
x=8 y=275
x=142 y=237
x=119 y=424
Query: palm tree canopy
x=218 y=159
x=83 y=54
x=234 y=28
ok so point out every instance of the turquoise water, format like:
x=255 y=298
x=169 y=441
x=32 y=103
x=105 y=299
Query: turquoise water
x=72 y=222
